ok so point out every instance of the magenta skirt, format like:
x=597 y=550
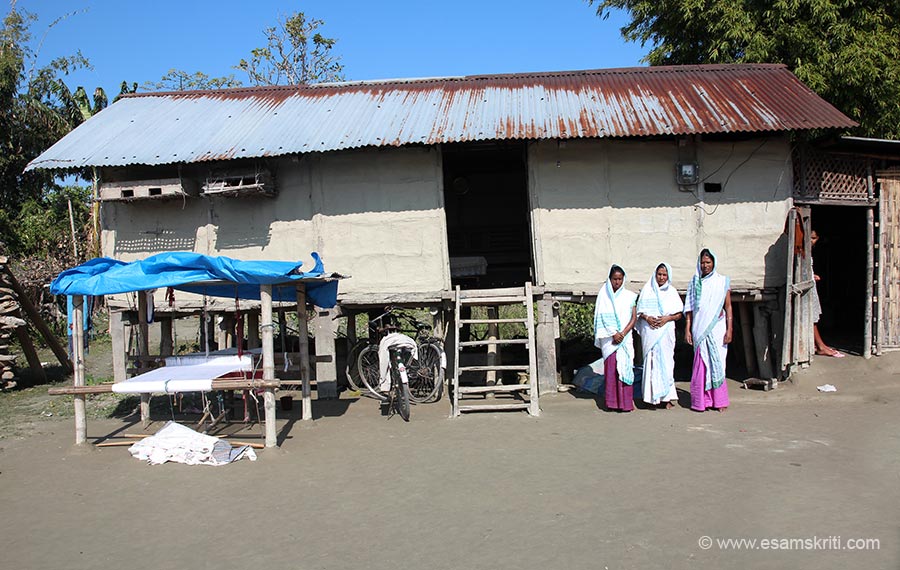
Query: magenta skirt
x=619 y=396
x=701 y=398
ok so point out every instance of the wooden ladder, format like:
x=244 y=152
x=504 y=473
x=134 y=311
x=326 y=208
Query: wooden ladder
x=525 y=395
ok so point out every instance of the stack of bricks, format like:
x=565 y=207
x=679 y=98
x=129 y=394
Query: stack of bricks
x=9 y=321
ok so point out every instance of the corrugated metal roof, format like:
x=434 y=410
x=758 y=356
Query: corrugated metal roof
x=193 y=126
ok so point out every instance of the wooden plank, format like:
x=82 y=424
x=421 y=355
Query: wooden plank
x=31 y=355
x=493 y=407
x=787 y=353
x=546 y=346
x=520 y=367
x=533 y=406
x=492 y=300
x=494 y=388
x=496 y=341
x=870 y=276
x=489 y=293
x=326 y=367
x=492 y=343
x=144 y=351
x=455 y=330
x=490 y=321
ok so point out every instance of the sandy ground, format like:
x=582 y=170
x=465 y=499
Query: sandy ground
x=576 y=488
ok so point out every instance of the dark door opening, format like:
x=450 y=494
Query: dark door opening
x=486 y=201
x=839 y=259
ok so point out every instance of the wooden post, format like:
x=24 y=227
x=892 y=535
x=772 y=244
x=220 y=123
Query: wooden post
x=166 y=340
x=326 y=369
x=265 y=297
x=546 y=346
x=303 y=333
x=881 y=327
x=761 y=338
x=493 y=352
x=870 y=276
x=144 y=352
x=221 y=331
x=747 y=337
x=253 y=330
x=78 y=356
x=787 y=354
x=117 y=340
x=34 y=361
x=534 y=408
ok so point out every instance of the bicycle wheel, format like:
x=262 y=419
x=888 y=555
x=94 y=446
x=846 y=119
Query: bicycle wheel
x=367 y=364
x=400 y=392
x=426 y=377
x=353 y=378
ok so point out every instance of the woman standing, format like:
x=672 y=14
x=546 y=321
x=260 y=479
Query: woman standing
x=658 y=307
x=614 y=318
x=708 y=313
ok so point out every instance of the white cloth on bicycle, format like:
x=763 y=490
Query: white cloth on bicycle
x=395 y=339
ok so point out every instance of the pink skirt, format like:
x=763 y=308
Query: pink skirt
x=701 y=398
x=619 y=396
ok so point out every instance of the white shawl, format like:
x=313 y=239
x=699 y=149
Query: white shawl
x=656 y=301
x=706 y=299
x=612 y=313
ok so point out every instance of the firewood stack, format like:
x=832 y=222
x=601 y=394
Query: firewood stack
x=9 y=321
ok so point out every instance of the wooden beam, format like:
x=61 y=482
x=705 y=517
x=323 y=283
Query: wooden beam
x=303 y=342
x=119 y=350
x=326 y=367
x=78 y=354
x=166 y=338
x=31 y=355
x=870 y=276
x=546 y=345
x=144 y=351
x=265 y=295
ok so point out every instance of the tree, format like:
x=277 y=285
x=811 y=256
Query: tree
x=845 y=51
x=178 y=80
x=295 y=53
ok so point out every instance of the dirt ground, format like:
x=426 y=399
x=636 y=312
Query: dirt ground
x=576 y=488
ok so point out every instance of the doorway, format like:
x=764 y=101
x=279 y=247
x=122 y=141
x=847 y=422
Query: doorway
x=839 y=259
x=486 y=203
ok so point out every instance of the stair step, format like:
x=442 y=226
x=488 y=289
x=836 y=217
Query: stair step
x=491 y=300
x=495 y=388
x=505 y=291
x=494 y=407
x=490 y=321
x=494 y=367
x=490 y=342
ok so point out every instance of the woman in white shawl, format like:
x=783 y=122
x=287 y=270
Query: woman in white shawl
x=708 y=313
x=658 y=307
x=614 y=318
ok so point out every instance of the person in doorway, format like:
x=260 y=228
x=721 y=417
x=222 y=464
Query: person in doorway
x=658 y=307
x=821 y=348
x=708 y=315
x=614 y=317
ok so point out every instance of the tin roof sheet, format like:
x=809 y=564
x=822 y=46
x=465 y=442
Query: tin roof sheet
x=195 y=126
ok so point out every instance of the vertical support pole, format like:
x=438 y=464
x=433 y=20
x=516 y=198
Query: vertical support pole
x=870 y=277
x=788 y=356
x=534 y=408
x=265 y=297
x=303 y=333
x=143 y=353
x=78 y=356
x=166 y=340
x=221 y=331
x=326 y=369
x=253 y=330
x=493 y=352
x=546 y=346
x=881 y=233
x=117 y=339
x=747 y=336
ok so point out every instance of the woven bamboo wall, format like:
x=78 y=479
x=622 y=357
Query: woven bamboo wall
x=822 y=176
x=890 y=257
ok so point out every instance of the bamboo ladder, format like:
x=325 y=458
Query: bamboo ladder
x=525 y=395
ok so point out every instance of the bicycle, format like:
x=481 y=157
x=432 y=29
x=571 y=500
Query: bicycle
x=425 y=373
x=399 y=394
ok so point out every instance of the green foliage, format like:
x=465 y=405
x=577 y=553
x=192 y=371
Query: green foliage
x=295 y=53
x=178 y=80
x=576 y=321
x=846 y=51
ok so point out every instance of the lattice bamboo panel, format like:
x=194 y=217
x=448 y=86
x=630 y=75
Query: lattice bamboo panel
x=890 y=258
x=822 y=176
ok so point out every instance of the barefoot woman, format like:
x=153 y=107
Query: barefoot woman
x=659 y=306
x=614 y=317
x=708 y=313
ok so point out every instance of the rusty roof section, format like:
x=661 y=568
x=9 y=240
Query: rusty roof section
x=196 y=126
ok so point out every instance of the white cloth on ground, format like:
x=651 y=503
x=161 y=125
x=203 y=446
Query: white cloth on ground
x=395 y=339
x=181 y=444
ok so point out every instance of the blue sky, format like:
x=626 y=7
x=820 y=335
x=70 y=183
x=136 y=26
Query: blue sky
x=140 y=40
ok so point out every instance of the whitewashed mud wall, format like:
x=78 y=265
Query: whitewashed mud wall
x=595 y=203
x=375 y=215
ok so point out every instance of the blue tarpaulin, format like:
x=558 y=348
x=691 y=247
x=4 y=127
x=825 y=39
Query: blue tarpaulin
x=201 y=274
